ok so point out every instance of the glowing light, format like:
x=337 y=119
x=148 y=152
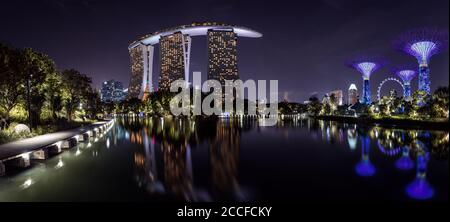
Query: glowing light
x=404 y=163
x=27 y=183
x=366 y=68
x=352 y=87
x=26 y=155
x=406 y=75
x=107 y=143
x=78 y=152
x=420 y=189
x=423 y=44
x=365 y=168
x=352 y=143
x=423 y=50
x=59 y=164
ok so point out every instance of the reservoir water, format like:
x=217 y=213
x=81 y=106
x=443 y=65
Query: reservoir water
x=168 y=159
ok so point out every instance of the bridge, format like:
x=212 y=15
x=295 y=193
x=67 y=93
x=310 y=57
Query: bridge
x=20 y=153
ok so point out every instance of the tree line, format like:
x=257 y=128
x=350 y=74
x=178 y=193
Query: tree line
x=31 y=83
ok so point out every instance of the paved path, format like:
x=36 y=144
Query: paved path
x=30 y=144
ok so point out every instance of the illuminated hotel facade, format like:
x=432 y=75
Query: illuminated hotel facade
x=222 y=55
x=175 y=49
x=174 y=54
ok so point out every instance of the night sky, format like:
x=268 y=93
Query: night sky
x=305 y=43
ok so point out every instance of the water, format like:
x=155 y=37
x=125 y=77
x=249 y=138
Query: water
x=213 y=160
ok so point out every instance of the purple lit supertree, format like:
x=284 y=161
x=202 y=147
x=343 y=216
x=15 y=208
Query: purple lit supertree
x=406 y=74
x=423 y=44
x=366 y=66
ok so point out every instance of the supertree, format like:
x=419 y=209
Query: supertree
x=406 y=74
x=423 y=43
x=366 y=66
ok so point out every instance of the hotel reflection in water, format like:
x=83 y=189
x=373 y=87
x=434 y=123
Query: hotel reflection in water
x=174 y=138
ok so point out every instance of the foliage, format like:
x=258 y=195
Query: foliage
x=30 y=76
x=314 y=106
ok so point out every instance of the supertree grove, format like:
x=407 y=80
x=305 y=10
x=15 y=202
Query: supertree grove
x=406 y=74
x=366 y=66
x=423 y=44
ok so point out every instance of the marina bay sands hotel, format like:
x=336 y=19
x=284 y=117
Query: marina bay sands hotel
x=174 y=54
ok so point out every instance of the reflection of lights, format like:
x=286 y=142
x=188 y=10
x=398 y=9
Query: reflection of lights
x=89 y=144
x=420 y=189
x=27 y=183
x=107 y=143
x=60 y=164
x=365 y=168
x=78 y=152
x=404 y=162
x=352 y=143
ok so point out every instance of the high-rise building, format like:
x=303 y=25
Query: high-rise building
x=174 y=54
x=112 y=91
x=222 y=55
x=338 y=95
x=175 y=47
x=141 y=70
x=352 y=94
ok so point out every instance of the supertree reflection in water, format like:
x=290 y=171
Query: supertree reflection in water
x=404 y=162
x=420 y=189
x=365 y=168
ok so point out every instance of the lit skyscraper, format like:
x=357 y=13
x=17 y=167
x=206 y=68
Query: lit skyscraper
x=174 y=54
x=175 y=49
x=222 y=55
x=141 y=70
x=352 y=94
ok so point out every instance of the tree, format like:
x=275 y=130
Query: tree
x=76 y=88
x=314 y=106
x=440 y=103
x=421 y=104
x=54 y=93
x=11 y=79
x=93 y=103
x=36 y=68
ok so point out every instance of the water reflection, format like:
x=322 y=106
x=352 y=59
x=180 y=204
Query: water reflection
x=169 y=147
x=174 y=138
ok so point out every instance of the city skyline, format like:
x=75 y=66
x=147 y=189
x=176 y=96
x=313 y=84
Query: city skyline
x=278 y=55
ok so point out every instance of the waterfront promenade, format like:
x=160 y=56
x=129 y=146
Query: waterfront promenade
x=20 y=152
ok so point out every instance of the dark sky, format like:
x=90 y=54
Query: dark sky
x=304 y=46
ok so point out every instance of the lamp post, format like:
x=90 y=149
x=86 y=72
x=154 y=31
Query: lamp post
x=29 y=102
